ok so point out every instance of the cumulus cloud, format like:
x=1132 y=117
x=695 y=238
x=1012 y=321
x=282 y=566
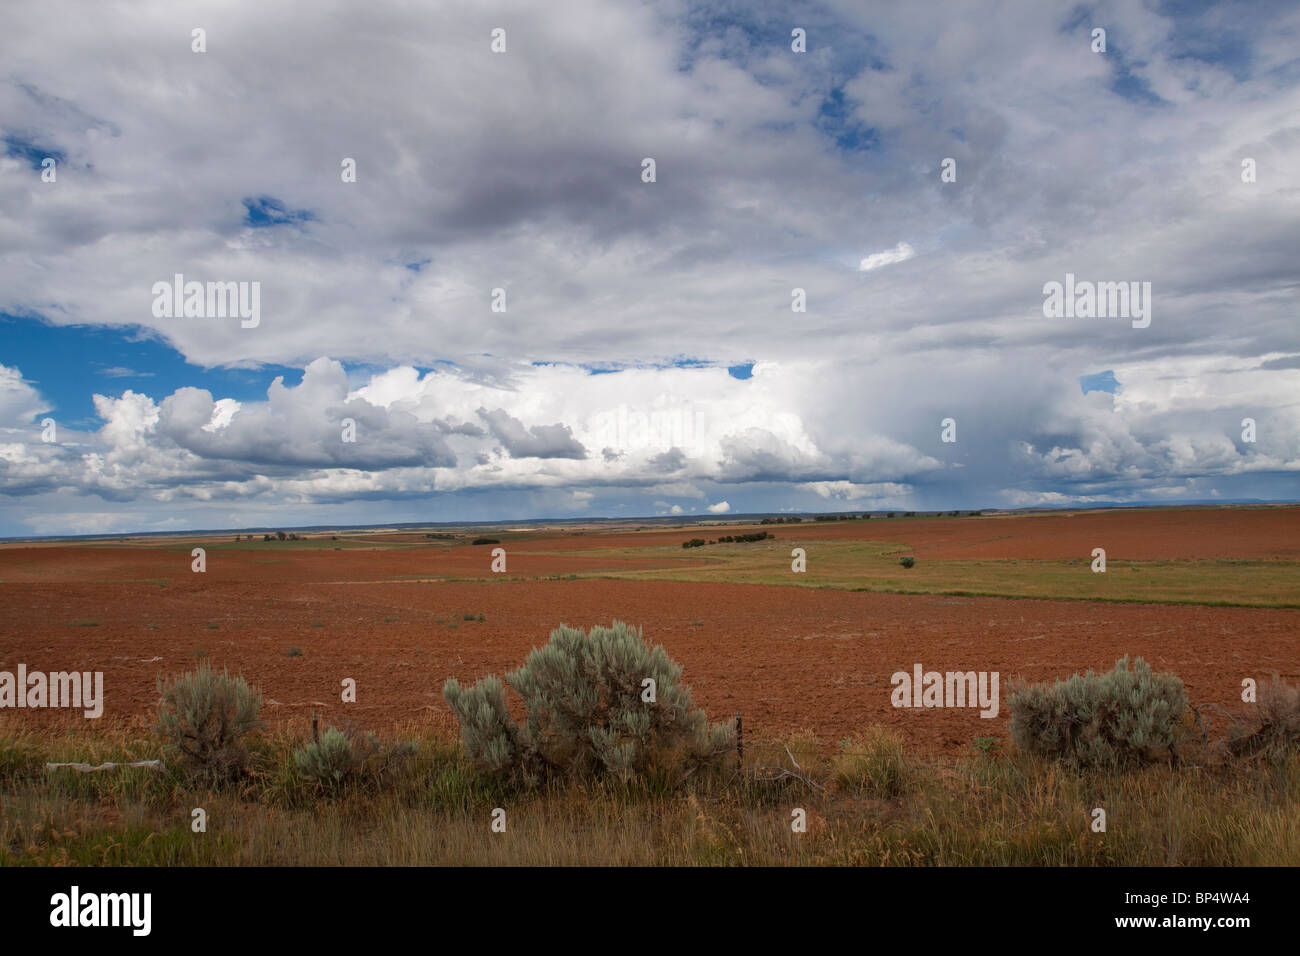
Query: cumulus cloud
x=849 y=491
x=20 y=402
x=522 y=172
x=316 y=424
x=721 y=508
x=536 y=441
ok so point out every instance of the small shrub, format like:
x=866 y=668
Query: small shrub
x=294 y=651
x=332 y=760
x=204 y=716
x=874 y=763
x=582 y=693
x=348 y=757
x=907 y=561
x=491 y=737
x=1275 y=731
x=1121 y=719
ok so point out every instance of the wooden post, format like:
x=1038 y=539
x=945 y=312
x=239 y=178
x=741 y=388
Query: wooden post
x=315 y=733
x=740 y=738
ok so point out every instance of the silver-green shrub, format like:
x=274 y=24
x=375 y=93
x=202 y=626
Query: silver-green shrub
x=1121 y=719
x=586 y=713
x=491 y=737
x=348 y=757
x=337 y=758
x=204 y=716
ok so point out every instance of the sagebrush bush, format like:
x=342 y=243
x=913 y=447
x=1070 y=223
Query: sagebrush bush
x=586 y=717
x=1121 y=719
x=907 y=561
x=874 y=763
x=334 y=759
x=349 y=756
x=204 y=716
x=1274 y=730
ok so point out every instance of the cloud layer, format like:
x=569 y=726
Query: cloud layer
x=516 y=177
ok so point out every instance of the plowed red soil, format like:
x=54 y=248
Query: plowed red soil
x=787 y=657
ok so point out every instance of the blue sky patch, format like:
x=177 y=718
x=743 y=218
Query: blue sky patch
x=16 y=147
x=835 y=119
x=1099 y=382
x=264 y=211
x=110 y=361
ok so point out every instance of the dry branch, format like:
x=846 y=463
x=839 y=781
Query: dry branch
x=772 y=774
x=87 y=768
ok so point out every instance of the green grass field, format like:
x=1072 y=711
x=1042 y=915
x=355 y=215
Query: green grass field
x=874 y=566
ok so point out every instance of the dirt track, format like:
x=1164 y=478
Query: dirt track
x=787 y=657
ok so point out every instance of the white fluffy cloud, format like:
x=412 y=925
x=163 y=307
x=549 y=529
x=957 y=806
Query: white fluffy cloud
x=775 y=170
x=900 y=253
x=20 y=402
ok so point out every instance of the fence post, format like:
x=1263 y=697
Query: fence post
x=315 y=734
x=740 y=738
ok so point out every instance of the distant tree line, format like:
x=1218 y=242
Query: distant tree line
x=729 y=539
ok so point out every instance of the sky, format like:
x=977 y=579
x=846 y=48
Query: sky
x=468 y=295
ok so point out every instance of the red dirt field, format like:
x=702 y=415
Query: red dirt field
x=787 y=657
x=1184 y=534
x=171 y=564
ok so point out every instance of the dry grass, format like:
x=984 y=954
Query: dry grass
x=869 y=803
